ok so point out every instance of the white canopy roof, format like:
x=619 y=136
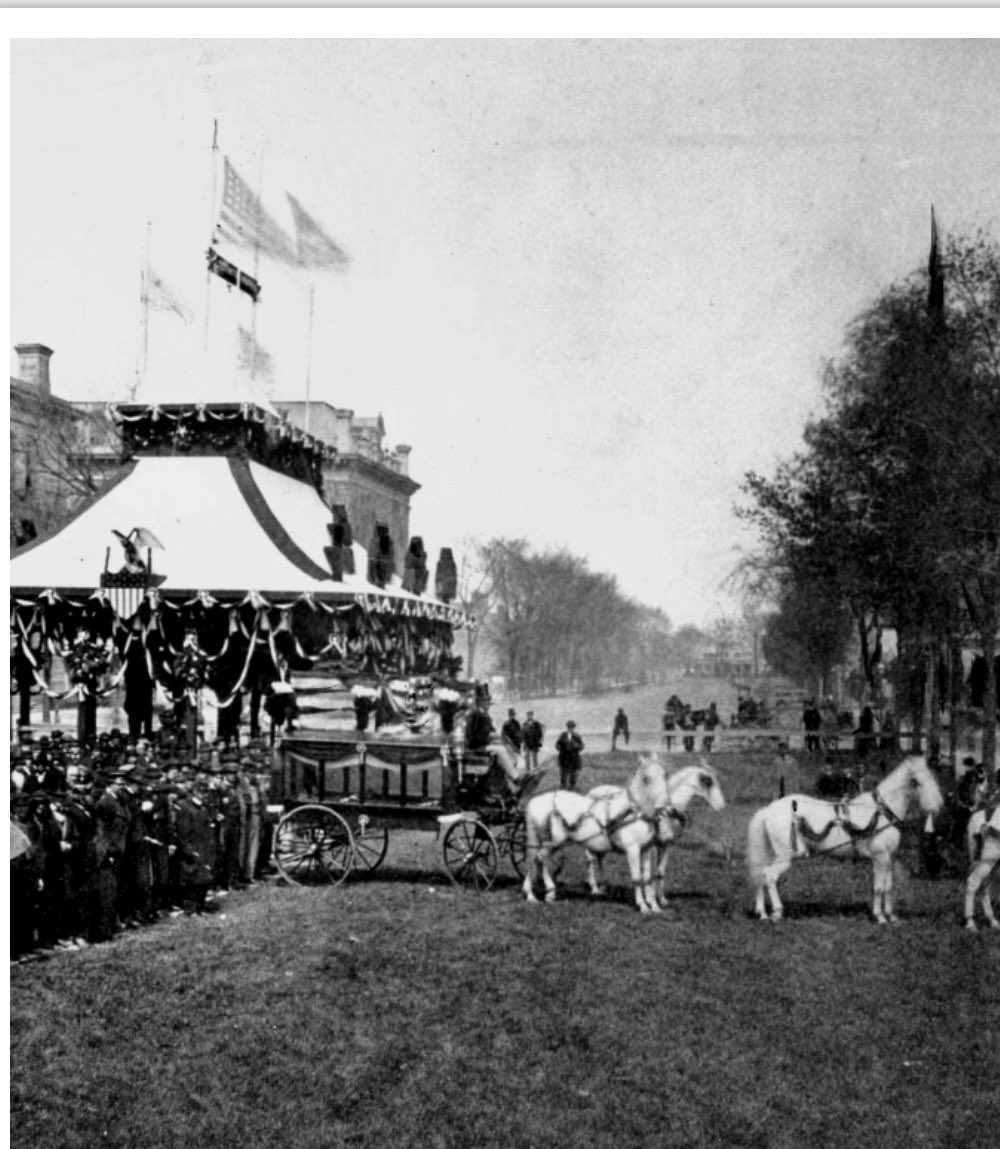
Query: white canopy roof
x=227 y=526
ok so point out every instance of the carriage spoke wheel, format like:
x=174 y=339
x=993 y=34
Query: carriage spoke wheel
x=516 y=843
x=470 y=854
x=313 y=846
x=370 y=845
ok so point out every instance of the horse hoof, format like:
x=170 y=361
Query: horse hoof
x=995 y=925
x=550 y=898
x=970 y=926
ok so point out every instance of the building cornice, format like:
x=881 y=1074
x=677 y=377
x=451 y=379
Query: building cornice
x=358 y=464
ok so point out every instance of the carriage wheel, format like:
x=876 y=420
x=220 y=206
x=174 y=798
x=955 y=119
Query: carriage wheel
x=370 y=845
x=516 y=843
x=470 y=854
x=313 y=845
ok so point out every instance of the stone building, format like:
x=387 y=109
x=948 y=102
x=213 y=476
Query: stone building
x=60 y=452
x=369 y=480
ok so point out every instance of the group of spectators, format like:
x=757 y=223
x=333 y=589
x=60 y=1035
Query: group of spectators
x=679 y=716
x=119 y=834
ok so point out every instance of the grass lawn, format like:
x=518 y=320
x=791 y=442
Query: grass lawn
x=400 y=1011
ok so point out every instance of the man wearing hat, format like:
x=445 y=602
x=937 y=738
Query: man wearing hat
x=569 y=747
x=79 y=855
x=233 y=817
x=511 y=731
x=532 y=733
x=111 y=824
x=193 y=841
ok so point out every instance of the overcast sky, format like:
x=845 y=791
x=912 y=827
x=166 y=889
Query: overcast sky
x=592 y=282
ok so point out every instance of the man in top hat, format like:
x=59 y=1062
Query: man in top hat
x=569 y=747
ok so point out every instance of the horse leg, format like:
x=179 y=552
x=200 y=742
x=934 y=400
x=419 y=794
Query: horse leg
x=988 y=899
x=634 y=856
x=978 y=877
x=660 y=890
x=531 y=868
x=881 y=885
x=595 y=873
x=771 y=875
x=553 y=852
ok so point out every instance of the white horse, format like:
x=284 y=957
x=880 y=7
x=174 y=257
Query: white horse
x=691 y=782
x=867 y=826
x=631 y=821
x=983 y=838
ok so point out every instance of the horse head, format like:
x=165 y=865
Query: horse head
x=923 y=782
x=708 y=785
x=647 y=789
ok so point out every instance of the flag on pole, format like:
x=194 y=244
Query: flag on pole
x=244 y=221
x=158 y=297
x=935 y=273
x=316 y=250
x=253 y=358
x=232 y=274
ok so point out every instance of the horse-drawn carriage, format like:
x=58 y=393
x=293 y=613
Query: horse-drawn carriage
x=341 y=794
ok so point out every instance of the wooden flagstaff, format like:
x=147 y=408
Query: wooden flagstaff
x=309 y=340
x=211 y=227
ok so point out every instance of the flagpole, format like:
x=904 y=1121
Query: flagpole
x=211 y=226
x=145 y=304
x=309 y=346
x=256 y=272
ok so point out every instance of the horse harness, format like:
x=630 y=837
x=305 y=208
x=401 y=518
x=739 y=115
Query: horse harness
x=841 y=820
x=629 y=815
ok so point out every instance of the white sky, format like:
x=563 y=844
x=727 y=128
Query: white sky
x=592 y=280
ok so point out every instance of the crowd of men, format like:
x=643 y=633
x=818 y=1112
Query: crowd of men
x=119 y=834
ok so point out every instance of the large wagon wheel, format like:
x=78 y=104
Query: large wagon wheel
x=313 y=845
x=470 y=854
x=515 y=842
x=370 y=844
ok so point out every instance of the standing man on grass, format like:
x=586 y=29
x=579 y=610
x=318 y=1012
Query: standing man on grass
x=619 y=728
x=569 y=747
x=532 y=734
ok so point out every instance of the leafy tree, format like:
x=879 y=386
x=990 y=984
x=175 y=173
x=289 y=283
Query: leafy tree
x=893 y=506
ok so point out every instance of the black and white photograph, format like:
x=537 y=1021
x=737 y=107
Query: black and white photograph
x=504 y=578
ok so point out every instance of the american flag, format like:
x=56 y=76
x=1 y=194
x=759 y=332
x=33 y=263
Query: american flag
x=245 y=222
x=316 y=249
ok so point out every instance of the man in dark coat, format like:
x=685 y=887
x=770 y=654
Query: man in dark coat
x=111 y=825
x=478 y=728
x=619 y=728
x=532 y=734
x=569 y=747
x=511 y=731
x=193 y=839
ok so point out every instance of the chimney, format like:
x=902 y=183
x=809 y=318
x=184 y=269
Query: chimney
x=34 y=364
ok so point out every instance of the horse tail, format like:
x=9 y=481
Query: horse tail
x=759 y=851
